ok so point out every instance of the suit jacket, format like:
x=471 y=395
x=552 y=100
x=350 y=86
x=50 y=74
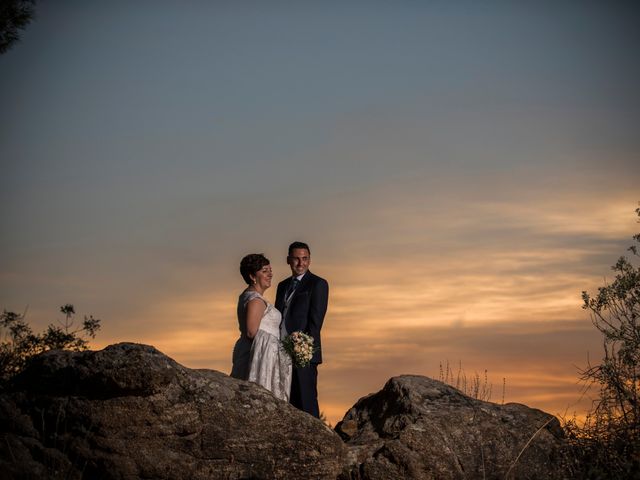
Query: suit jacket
x=307 y=308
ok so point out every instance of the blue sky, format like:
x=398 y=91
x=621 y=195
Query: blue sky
x=458 y=168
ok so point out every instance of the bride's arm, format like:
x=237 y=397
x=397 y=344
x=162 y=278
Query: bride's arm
x=255 y=310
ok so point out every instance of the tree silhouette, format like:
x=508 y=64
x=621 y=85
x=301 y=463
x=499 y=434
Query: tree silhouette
x=18 y=342
x=609 y=440
x=15 y=15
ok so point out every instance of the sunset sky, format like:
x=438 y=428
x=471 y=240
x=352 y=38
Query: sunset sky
x=461 y=170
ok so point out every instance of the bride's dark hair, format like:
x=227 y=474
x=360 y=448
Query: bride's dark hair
x=252 y=264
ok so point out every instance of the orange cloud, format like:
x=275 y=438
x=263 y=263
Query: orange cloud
x=494 y=284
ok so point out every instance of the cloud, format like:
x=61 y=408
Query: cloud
x=493 y=283
x=538 y=360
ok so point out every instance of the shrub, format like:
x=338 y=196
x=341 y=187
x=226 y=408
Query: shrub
x=19 y=343
x=609 y=439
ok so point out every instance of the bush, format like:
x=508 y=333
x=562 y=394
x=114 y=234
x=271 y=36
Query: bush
x=19 y=343
x=609 y=439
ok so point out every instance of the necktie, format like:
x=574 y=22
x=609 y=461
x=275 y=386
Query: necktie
x=292 y=288
x=287 y=298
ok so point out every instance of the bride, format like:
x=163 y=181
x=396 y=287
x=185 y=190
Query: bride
x=257 y=355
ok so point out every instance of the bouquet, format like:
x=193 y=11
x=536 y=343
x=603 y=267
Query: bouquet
x=300 y=347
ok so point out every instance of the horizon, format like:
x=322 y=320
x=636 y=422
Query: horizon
x=461 y=173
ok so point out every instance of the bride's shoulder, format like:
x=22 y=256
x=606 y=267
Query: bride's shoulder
x=250 y=295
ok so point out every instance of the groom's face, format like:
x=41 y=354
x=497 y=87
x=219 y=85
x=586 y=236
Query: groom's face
x=299 y=261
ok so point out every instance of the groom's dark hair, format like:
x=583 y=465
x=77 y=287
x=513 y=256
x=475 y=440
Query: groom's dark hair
x=295 y=245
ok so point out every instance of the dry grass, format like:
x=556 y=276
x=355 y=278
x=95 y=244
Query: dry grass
x=477 y=386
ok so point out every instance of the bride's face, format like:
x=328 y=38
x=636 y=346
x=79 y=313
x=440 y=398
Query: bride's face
x=263 y=277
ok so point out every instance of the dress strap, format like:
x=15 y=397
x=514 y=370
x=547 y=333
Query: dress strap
x=251 y=294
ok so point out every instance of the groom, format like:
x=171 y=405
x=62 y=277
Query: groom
x=302 y=299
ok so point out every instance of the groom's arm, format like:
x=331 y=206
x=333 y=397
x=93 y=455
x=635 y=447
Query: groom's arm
x=318 y=306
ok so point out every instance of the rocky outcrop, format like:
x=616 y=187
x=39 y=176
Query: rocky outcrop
x=419 y=428
x=130 y=412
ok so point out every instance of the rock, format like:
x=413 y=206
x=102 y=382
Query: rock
x=129 y=412
x=419 y=428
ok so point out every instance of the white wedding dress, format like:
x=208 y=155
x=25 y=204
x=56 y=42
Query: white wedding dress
x=262 y=360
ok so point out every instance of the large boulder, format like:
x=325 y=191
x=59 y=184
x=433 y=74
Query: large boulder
x=130 y=412
x=419 y=428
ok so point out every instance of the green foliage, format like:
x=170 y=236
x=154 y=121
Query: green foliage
x=19 y=343
x=609 y=439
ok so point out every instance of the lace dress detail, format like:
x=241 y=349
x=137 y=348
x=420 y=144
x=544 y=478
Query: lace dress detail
x=262 y=360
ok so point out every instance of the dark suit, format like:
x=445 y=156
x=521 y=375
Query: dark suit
x=305 y=313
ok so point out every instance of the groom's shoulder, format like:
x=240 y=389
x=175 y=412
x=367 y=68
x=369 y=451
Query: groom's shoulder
x=316 y=278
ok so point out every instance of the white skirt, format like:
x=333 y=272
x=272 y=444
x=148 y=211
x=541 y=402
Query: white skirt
x=270 y=366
